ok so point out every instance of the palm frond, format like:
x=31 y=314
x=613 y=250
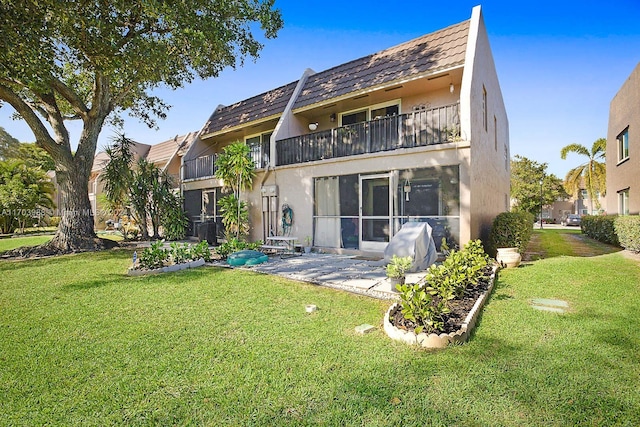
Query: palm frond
x=574 y=148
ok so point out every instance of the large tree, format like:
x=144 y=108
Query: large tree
x=591 y=175
x=92 y=60
x=532 y=186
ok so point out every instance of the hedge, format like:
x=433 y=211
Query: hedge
x=601 y=228
x=511 y=230
x=627 y=229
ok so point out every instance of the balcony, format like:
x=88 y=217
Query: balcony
x=416 y=129
x=201 y=167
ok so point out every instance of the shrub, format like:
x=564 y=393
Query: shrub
x=234 y=245
x=54 y=221
x=201 y=250
x=600 y=227
x=425 y=304
x=398 y=266
x=154 y=256
x=627 y=230
x=511 y=230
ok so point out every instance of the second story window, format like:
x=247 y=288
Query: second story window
x=259 y=145
x=623 y=145
x=485 y=113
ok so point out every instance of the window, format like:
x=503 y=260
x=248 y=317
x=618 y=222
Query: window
x=259 y=146
x=623 y=145
x=495 y=133
x=584 y=194
x=623 y=202
x=506 y=157
x=484 y=108
x=374 y=112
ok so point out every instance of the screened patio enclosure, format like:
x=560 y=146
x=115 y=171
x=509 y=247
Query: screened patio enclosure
x=363 y=211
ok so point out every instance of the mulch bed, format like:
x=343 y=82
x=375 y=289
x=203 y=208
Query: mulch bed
x=459 y=309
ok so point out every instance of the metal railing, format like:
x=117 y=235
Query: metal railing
x=201 y=167
x=416 y=129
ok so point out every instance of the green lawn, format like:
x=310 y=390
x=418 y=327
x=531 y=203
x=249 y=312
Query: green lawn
x=16 y=242
x=83 y=344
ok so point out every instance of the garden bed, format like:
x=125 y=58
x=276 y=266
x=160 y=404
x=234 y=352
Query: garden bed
x=168 y=269
x=458 y=323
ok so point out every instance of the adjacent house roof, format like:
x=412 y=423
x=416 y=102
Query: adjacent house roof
x=162 y=152
x=258 y=107
x=440 y=50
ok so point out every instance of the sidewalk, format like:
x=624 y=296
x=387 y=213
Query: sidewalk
x=346 y=272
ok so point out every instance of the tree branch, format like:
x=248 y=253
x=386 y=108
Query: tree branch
x=28 y=114
x=72 y=98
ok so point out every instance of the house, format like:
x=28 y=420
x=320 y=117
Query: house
x=416 y=132
x=166 y=155
x=623 y=149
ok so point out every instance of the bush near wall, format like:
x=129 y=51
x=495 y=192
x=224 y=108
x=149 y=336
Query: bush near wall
x=601 y=228
x=511 y=230
x=627 y=229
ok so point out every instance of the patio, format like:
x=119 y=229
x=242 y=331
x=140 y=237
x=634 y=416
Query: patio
x=365 y=276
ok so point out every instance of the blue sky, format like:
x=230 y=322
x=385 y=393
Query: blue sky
x=559 y=64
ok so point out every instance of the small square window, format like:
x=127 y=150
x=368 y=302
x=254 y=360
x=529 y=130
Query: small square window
x=623 y=145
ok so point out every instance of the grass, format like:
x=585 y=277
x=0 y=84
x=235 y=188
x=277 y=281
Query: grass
x=16 y=242
x=83 y=344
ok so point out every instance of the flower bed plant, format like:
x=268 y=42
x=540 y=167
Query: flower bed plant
x=157 y=256
x=450 y=290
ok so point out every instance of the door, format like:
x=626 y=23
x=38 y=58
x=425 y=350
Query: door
x=376 y=206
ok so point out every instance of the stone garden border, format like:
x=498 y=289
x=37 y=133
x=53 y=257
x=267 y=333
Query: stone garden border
x=167 y=269
x=432 y=340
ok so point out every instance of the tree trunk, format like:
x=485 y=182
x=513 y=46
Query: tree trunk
x=76 y=229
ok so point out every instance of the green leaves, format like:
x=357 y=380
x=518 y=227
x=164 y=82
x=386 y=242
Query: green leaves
x=426 y=304
x=590 y=175
x=398 y=266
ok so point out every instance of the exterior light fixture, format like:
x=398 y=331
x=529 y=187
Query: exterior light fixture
x=407 y=189
x=313 y=126
x=451 y=88
x=332 y=117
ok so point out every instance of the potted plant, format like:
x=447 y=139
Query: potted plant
x=397 y=268
x=307 y=244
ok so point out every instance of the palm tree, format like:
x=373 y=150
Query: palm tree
x=592 y=173
x=236 y=169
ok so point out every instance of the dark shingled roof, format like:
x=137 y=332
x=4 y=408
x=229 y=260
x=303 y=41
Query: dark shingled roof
x=258 y=107
x=432 y=52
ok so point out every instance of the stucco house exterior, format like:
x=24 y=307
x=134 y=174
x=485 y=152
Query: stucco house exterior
x=623 y=149
x=416 y=132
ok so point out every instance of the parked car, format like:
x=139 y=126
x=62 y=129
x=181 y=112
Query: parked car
x=571 y=219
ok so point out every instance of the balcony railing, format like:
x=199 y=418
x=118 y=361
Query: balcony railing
x=201 y=167
x=416 y=129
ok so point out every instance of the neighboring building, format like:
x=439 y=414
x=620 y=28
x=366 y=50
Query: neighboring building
x=417 y=132
x=623 y=149
x=166 y=155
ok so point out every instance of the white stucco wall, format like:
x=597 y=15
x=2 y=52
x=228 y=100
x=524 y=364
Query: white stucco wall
x=489 y=173
x=296 y=182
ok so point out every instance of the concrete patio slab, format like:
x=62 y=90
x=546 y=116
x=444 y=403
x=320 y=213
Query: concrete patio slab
x=346 y=272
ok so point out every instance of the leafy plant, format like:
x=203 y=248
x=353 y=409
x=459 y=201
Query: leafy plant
x=627 y=229
x=180 y=253
x=511 y=230
x=234 y=245
x=398 y=266
x=308 y=240
x=421 y=307
x=154 y=256
x=601 y=228
x=425 y=304
x=201 y=250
